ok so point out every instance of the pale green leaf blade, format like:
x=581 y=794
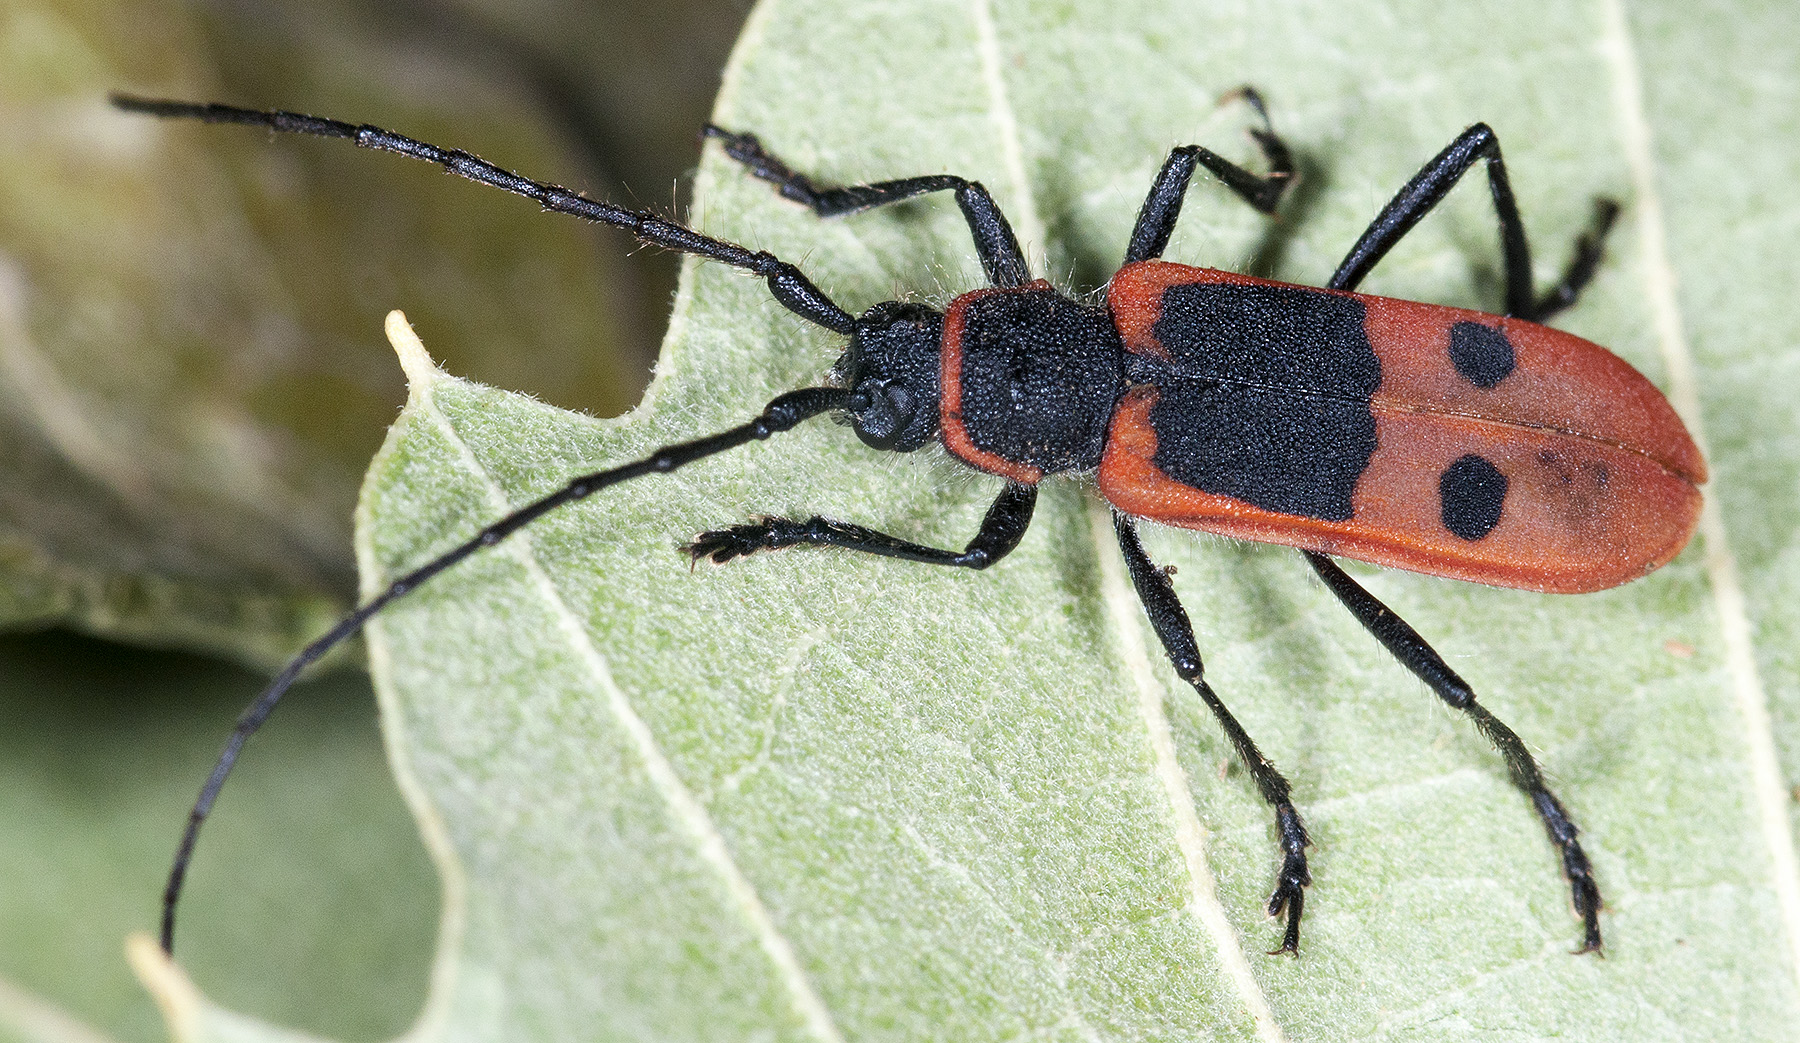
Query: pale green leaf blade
x=816 y=796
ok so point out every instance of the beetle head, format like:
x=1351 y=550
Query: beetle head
x=894 y=358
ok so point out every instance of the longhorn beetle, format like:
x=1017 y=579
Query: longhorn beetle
x=1436 y=439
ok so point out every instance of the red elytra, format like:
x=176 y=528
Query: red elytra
x=1603 y=474
x=1603 y=471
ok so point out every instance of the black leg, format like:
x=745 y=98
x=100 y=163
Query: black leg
x=1001 y=531
x=780 y=415
x=1429 y=186
x=1423 y=192
x=788 y=284
x=994 y=240
x=1156 y=220
x=1171 y=623
x=1412 y=651
x=1590 y=246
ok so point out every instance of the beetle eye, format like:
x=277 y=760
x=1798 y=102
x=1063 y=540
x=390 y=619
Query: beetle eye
x=890 y=411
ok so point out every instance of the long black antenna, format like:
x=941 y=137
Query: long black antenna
x=787 y=283
x=780 y=415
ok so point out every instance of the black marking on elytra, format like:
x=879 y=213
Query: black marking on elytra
x=1266 y=396
x=1473 y=492
x=1481 y=353
x=1040 y=375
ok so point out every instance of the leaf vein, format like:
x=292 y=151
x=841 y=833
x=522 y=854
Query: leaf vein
x=1190 y=835
x=687 y=810
x=1768 y=791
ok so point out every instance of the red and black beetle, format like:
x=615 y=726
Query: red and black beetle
x=1440 y=440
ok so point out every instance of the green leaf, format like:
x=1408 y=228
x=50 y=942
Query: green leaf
x=815 y=795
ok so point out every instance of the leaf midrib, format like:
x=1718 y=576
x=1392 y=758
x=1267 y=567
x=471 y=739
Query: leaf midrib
x=1770 y=793
x=1189 y=835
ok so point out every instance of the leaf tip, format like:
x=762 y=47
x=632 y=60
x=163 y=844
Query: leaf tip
x=166 y=982
x=421 y=371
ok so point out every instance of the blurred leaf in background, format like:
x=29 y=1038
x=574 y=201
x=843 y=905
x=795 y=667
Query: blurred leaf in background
x=192 y=380
x=188 y=319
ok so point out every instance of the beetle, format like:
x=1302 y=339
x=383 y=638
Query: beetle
x=1488 y=448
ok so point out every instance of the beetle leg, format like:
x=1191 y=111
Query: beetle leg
x=1172 y=626
x=1001 y=531
x=1590 y=246
x=1426 y=189
x=1413 y=652
x=1156 y=220
x=1429 y=186
x=1001 y=257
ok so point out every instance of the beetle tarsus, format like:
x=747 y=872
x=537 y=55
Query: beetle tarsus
x=1001 y=530
x=1290 y=896
x=738 y=541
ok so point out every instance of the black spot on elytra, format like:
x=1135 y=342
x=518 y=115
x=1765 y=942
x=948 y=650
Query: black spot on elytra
x=1482 y=354
x=1473 y=492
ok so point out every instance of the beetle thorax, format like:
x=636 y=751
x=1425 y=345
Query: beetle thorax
x=1030 y=379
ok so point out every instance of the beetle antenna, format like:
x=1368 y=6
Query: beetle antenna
x=790 y=287
x=779 y=415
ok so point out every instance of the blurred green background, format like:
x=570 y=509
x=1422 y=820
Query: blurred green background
x=192 y=379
